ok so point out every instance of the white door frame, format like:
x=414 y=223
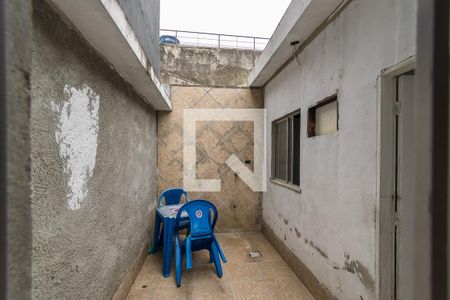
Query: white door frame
x=386 y=85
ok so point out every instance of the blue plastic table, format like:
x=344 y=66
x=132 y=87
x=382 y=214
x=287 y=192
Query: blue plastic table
x=166 y=215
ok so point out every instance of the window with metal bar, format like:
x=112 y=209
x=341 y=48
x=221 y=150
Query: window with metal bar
x=286 y=149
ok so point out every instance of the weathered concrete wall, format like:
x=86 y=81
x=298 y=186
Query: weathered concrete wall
x=18 y=29
x=239 y=207
x=331 y=225
x=143 y=16
x=93 y=166
x=213 y=67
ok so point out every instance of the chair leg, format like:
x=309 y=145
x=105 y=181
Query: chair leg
x=178 y=262
x=215 y=255
x=156 y=236
x=219 y=249
x=188 y=254
x=168 y=239
x=210 y=257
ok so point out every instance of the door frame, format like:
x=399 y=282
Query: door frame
x=385 y=188
x=433 y=48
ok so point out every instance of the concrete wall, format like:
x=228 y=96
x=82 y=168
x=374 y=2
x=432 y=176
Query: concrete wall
x=143 y=16
x=331 y=225
x=239 y=207
x=213 y=67
x=18 y=29
x=93 y=166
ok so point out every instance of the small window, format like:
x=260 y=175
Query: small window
x=286 y=149
x=323 y=117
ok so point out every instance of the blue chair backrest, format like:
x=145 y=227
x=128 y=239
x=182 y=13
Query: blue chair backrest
x=199 y=213
x=172 y=196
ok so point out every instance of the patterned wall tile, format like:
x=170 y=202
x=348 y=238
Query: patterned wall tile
x=239 y=207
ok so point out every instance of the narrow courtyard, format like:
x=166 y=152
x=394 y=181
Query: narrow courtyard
x=265 y=277
x=281 y=150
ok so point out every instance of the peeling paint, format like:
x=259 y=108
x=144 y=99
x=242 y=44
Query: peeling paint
x=355 y=267
x=76 y=135
x=298 y=233
x=321 y=252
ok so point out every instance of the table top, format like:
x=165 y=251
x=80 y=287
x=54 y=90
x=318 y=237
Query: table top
x=170 y=211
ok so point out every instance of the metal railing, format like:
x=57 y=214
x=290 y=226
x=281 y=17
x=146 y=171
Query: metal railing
x=217 y=40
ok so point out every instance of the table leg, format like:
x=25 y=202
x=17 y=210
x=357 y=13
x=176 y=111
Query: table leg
x=168 y=245
x=155 y=243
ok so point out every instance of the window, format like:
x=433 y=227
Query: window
x=286 y=149
x=323 y=117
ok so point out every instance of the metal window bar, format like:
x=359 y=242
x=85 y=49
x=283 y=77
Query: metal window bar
x=217 y=40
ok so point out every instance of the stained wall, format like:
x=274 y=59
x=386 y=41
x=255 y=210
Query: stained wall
x=93 y=166
x=331 y=225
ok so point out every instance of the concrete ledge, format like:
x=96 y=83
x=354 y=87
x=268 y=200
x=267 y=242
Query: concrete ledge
x=104 y=25
x=317 y=290
x=125 y=286
x=203 y=66
x=298 y=23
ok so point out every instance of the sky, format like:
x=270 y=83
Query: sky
x=237 y=17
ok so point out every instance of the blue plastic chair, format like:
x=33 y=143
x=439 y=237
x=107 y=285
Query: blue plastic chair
x=200 y=236
x=172 y=196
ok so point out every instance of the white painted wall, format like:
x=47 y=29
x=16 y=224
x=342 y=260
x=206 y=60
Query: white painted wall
x=337 y=208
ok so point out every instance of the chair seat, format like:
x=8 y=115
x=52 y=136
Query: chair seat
x=198 y=244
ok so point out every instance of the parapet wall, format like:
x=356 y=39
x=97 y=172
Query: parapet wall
x=201 y=66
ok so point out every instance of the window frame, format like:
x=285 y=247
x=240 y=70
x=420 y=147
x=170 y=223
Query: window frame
x=289 y=150
x=311 y=124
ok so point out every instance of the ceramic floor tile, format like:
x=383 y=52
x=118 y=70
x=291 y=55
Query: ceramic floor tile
x=217 y=290
x=140 y=294
x=187 y=278
x=231 y=241
x=274 y=270
x=174 y=293
x=266 y=277
x=146 y=279
x=238 y=256
x=289 y=289
x=260 y=244
x=268 y=255
x=205 y=275
x=247 y=271
x=153 y=262
x=200 y=257
x=251 y=290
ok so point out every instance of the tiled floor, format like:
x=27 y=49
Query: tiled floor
x=267 y=277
